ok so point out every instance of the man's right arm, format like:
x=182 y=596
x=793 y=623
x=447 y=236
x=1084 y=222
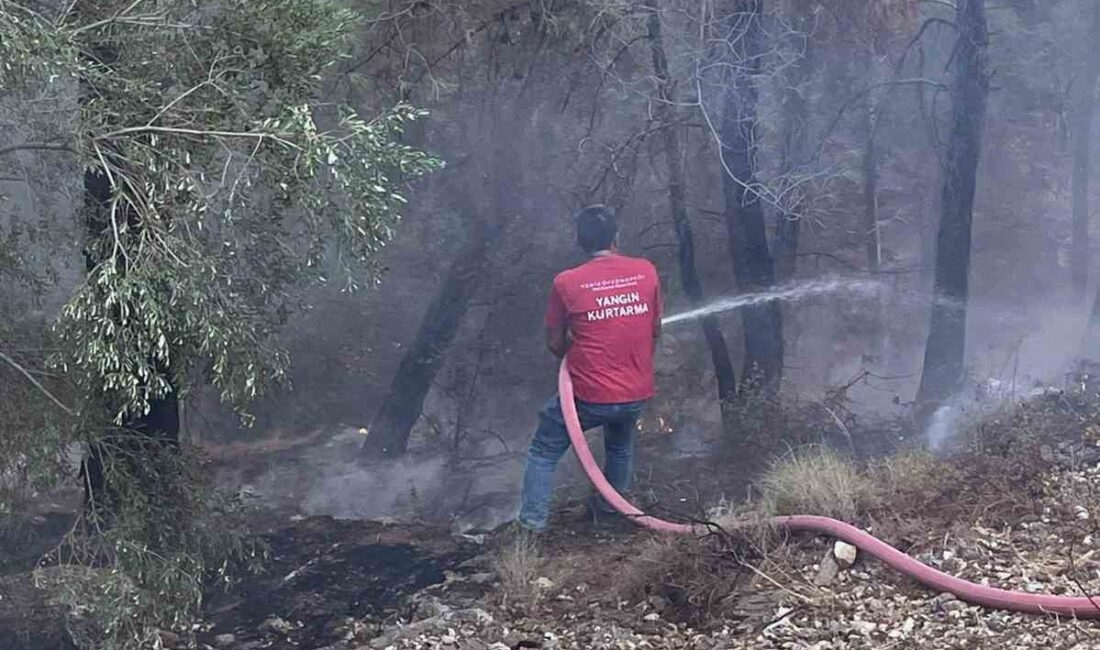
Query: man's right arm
x=557 y=324
x=557 y=340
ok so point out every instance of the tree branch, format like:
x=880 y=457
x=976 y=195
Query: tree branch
x=23 y=371
x=36 y=146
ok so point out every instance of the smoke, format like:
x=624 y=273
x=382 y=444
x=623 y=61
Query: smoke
x=942 y=427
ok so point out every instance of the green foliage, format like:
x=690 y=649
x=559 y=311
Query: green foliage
x=228 y=187
x=31 y=46
x=226 y=193
x=145 y=566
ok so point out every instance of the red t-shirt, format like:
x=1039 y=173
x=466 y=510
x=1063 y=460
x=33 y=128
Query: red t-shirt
x=610 y=305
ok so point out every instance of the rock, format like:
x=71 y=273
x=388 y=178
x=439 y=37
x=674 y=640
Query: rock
x=651 y=629
x=431 y=608
x=544 y=583
x=169 y=639
x=827 y=571
x=844 y=553
x=864 y=627
x=483 y=578
x=651 y=617
x=949 y=602
x=224 y=640
x=498 y=646
x=474 y=615
x=277 y=625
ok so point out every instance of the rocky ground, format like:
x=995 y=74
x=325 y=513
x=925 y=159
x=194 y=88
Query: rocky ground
x=605 y=586
x=575 y=588
x=1014 y=512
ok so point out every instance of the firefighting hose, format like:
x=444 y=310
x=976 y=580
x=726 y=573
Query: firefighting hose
x=991 y=597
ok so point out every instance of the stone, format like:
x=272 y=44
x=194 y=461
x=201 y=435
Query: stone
x=277 y=625
x=827 y=571
x=844 y=553
x=544 y=583
x=651 y=617
x=224 y=640
x=474 y=615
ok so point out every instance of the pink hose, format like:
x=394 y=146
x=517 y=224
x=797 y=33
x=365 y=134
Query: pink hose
x=1079 y=607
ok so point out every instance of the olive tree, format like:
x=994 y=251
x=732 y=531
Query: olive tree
x=216 y=184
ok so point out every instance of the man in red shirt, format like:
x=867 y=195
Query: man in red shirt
x=604 y=316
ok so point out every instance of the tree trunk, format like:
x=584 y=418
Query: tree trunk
x=390 y=429
x=1083 y=104
x=872 y=241
x=744 y=215
x=796 y=134
x=944 y=355
x=665 y=114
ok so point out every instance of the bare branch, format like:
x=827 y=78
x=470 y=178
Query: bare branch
x=23 y=371
x=36 y=146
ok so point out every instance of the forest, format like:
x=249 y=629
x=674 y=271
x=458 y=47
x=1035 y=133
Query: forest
x=274 y=287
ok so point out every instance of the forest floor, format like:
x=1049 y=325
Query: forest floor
x=1016 y=507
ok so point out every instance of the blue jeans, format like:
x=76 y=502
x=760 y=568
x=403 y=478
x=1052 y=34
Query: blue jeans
x=552 y=441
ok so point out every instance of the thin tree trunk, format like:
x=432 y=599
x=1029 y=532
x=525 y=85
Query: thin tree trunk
x=744 y=215
x=872 y=241
x=665 y=114
x=1083 y=104
x=944 y=355
x=796 y=133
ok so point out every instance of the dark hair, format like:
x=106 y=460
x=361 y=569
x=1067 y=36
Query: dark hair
x=596 y=228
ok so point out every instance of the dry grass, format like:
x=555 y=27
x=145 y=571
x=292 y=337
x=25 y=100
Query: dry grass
x=519 y=564
x=688 y=579
x=816 y=481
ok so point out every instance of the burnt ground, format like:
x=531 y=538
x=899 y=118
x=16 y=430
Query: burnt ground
x=322 y=571
x=329 y=580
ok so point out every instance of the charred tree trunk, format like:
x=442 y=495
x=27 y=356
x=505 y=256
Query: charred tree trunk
x=1083 y=104
x=744 y=215
x=665 y=114
x=390 y=429
x=944 y=355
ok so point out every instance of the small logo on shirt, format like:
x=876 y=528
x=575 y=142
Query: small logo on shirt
x=616 y=283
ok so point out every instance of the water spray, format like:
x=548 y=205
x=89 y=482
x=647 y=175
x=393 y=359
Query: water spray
x=791 y=292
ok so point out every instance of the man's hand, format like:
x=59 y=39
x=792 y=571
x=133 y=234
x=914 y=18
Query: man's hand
x=557 y=340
